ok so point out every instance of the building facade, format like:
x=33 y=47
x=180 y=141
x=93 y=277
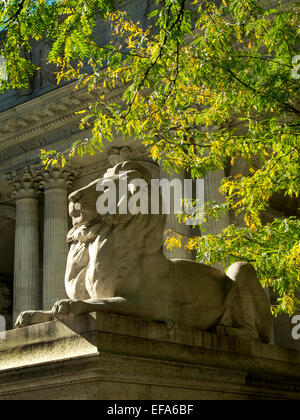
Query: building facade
x=34 y=217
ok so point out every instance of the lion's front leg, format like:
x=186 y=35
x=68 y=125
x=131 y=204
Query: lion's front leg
x=78 y=307
x=68 y=306
x=28 y=318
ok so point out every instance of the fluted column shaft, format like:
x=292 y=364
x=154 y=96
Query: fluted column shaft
x=26 y=269
x=173 y=224
x=55 y=232
x=26 y=277
x=213 y=181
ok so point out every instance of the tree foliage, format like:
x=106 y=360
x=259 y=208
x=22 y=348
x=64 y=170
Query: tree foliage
x=205 y=85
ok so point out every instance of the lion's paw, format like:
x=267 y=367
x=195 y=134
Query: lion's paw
x=61 y=308
x=68 y=306
x=27 y=318
x=24 y=319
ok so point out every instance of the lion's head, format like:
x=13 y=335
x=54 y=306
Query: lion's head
x=145 y=230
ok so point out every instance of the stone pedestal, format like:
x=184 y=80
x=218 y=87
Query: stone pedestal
x=107 y=357
x=56 y=182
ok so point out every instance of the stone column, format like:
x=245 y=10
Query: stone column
x=26 y=272
x=213 y=181
x=55 y=182
x=175 y=228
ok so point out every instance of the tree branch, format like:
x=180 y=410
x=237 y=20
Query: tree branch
x=15 y=15
x=240 y=81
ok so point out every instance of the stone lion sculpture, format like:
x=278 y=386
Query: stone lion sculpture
x=116 y=264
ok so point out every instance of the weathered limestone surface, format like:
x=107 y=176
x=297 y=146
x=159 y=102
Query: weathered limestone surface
x=174 y=227
x=116 y=265
x=56 y=183
x=213 y=181
x=101 y=356
x=26 y=276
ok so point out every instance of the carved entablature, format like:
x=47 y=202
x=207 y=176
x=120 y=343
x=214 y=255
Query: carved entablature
x=117 y=155
x=41 y=115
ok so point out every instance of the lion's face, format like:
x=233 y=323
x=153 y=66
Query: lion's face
x=82 y=206
x=146 y=229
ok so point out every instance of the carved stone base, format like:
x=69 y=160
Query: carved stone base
x=107 y=357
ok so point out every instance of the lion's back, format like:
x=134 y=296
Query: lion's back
x=201 y=287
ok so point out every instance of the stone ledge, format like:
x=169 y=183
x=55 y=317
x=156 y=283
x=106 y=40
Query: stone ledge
x=132 y=359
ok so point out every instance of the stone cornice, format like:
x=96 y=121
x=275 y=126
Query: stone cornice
x=36 y=130
x=42 y=114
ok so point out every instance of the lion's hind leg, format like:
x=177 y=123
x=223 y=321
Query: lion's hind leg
x=247 y=311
